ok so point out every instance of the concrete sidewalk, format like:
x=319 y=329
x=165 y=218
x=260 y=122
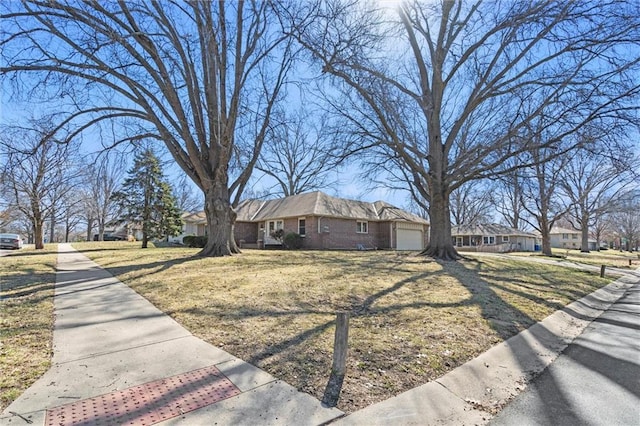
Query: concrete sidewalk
x=595 y=381
x=108 y=341
x=474 y=392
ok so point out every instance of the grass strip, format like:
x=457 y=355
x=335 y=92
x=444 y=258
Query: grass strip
x=27 y=279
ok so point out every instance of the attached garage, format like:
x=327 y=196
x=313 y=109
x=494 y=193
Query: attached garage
x=409 y=236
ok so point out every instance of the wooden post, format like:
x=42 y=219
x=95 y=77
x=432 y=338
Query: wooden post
x=629 y=262
x=340 y=343
x=602 y=268
x=338 y=368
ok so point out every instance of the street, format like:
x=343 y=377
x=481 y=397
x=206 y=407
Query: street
x=595 y=381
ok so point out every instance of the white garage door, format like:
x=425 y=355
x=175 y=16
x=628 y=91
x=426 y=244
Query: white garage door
x=409 y=239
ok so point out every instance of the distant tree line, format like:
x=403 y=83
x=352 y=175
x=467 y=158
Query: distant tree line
x=49 y=192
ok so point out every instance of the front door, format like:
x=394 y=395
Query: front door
x=272 y=226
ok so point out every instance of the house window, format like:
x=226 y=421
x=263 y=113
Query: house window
x=275 y=225
x=302 y=226
x=565 y=236
x=488 y=240
x=574 y=236
x=362 y=227
x=505 y=238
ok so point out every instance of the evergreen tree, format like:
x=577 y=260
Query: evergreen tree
x=146 y=197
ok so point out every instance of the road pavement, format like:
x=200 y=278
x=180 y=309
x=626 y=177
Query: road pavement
x=595 y=381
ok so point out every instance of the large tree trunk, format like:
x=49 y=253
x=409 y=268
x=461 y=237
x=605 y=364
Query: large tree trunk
x=220 y=220
x=89 y=229
x=101 y=226
x=38 y=231
x=52 y=230
x=440 y=240
x=67 y=230
x=146 y=213
x=232 y=239
x=546 y=237
x=584 y=225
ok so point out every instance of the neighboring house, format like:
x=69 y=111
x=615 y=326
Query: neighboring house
x=121 y=230
x=568 y=239
x=193 y=224
x=327 y=222
x=491 y=237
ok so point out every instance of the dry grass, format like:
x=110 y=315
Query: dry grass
x=27 y=279
x=610 y=258
x=613 y=258
x=412 y=320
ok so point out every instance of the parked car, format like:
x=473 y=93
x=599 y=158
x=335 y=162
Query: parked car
x=110 y=237
x=11 y=241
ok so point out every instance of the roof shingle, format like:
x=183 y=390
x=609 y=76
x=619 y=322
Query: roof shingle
x=487 y=229
x=320 y=204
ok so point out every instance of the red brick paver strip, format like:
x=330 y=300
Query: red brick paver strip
x=148 y=403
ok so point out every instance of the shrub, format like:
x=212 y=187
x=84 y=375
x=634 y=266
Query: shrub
x=278 y=234
x=293 y=241
x=200 y=242
x=194 y=241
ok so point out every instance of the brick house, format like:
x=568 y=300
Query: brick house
x=327 y=222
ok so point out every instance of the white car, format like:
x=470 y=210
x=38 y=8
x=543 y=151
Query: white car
x=10 y=241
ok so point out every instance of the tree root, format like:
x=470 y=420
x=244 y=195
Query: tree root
x=446 y=253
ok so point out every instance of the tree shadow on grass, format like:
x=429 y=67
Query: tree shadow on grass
x=30 y=283
x=505 y=319
x=501 y=316
x=147 y=268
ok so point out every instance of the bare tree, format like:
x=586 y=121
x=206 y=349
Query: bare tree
x=8 y=212
x=626 y=221
x=300 y=154
x=593 y=181
x=102 y=179
x=471 y=203
x=72 y=210
x=187 y=200
x=192 y=75
x=508 y=192
x=88 y=213
x=541 y=197
x=628 y=229
x=601 y=226
x=450 y=89
x=40 y=173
